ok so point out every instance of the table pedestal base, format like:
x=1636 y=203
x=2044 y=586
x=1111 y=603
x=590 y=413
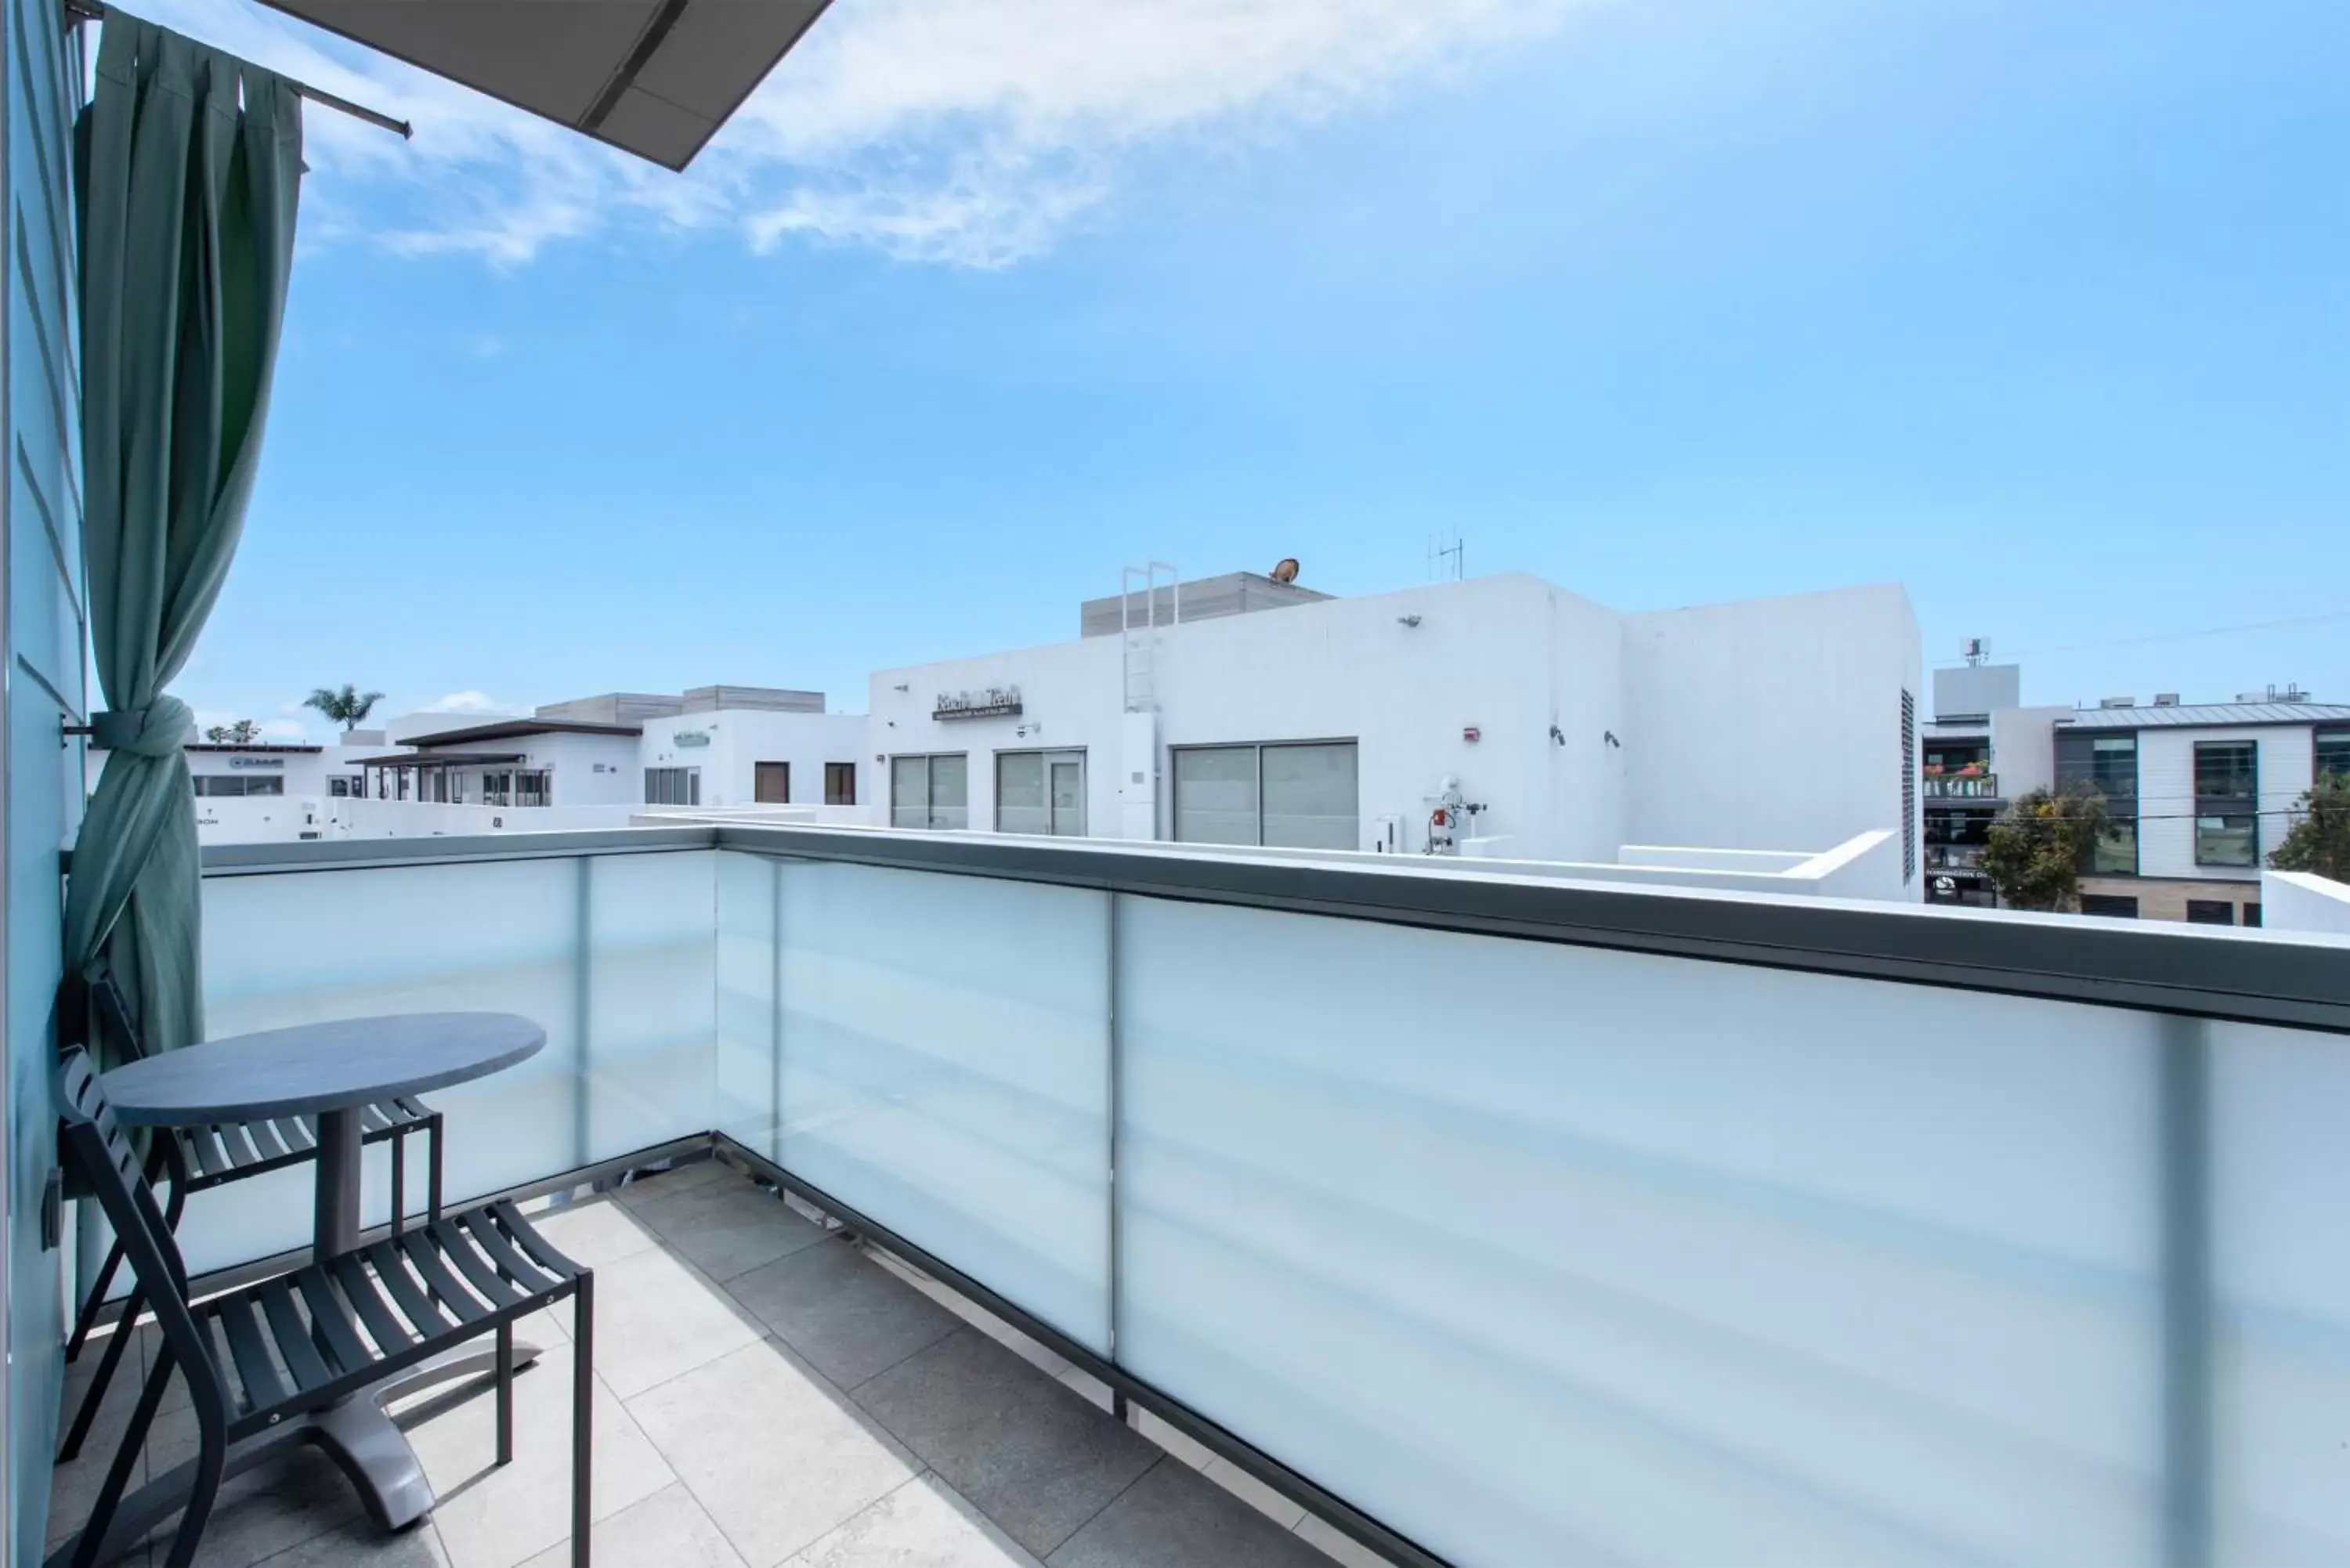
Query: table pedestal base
x=365 y=1443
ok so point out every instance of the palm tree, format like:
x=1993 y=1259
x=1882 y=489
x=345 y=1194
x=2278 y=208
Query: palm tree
x=347 y=707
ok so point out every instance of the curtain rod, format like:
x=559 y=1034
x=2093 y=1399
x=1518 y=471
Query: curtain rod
x=95 y=11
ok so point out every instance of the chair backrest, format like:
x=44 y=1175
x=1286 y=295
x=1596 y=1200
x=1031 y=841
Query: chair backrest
x=95 y=1016
x=92 y=1142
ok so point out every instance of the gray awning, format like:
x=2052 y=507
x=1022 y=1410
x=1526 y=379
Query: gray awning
x=444 y=760
x=655 y=77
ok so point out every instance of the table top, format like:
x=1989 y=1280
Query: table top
x=312 y=1067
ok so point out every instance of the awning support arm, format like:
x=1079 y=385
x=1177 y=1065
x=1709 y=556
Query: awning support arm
x=95 y=11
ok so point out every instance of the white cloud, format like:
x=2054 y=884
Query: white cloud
x=465 y=702
x=974 y=132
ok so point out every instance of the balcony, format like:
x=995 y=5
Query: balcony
x=1961 y=786
x=1458 y=1218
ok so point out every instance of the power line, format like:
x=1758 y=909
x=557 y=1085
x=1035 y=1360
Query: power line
x=2165 y=637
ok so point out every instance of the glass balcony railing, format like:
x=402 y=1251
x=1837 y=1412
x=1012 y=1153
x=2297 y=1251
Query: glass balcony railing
x=1961 y=786
x=1538 y=1220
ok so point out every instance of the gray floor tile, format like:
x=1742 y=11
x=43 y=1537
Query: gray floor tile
x=491 y=1516
x=667 y=1529
x=1176 y=1518
x=848 y=1315
x=364 y=1541
x=657 y=1316
x=264 y=1512
x=594 y=1232
x=773 y=1452
x=727 y=1227
x=73 y=1486
x=701 y=1173
x=923 y=1524
x=1028 y=1450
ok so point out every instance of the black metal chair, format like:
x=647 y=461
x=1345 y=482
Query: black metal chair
x=305 y=1341
x=93 y=1011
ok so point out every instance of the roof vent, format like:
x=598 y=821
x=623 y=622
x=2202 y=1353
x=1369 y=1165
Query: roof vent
x=2118 y=702
x=2166 y=699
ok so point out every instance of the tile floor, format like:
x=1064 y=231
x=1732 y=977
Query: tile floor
x=768 y=1395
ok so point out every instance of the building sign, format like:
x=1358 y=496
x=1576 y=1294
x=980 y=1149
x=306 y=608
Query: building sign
x=257 y=761
x=994 y=703
x=690 y=738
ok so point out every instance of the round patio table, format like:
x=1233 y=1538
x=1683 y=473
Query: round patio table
x=331 y=1071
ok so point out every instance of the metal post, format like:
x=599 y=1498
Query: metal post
x=2185 y=1153
x=1117 y=1087
x=335 y=1228
x=582 y=1001
x=775 y=1022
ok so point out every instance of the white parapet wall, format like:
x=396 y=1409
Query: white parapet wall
x=361 y=818
x=2300 y=901
x=261 y=819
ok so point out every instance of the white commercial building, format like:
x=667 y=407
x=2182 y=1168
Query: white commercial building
x=714 y=746
x=2197 y=795
x=599 y=762
x=1511 y=717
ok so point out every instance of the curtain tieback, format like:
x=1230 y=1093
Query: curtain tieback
x=158 y=730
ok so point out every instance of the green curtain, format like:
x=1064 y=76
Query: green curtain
x=187 y=164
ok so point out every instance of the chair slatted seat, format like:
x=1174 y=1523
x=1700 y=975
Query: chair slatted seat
x=305 y=1341
x=93 y=1011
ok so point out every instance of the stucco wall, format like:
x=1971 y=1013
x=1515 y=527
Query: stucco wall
x=1769 y=723
x=2166 y=796
x=1656 y=718
x=739 y=739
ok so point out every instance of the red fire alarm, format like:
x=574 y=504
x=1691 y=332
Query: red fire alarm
x=1471 y=733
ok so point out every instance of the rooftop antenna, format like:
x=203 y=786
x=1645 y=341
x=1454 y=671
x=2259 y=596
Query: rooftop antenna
x=1976 y=649
x=1445 y=557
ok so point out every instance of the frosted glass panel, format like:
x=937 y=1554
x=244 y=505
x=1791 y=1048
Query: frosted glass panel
x=910 y=792
x=651 y=1000
x=1020 y=794
x=949 y=792
x=2281 y=1356
x=301 y=947
x=1215 y=794
x=748 y=888
x=946 y=1071
x=1547 y=1255
x=1310 y=797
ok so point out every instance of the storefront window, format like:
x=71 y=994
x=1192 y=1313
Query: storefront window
x=1304 y=795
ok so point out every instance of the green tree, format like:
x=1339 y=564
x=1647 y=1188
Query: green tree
x=243 y=733
x=2319 y=839
x=2034 y=854
x=347 y=707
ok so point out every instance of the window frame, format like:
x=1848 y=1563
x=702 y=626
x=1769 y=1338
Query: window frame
x=2222 y=808
x=2323 y=742
x=833 y=773
x=211 y=787
x=932 y=811
x=2116 y=851
x=1046 y=756
x=674 y=780
x=758 y=782
x=2210 y=912
x=1258 y=748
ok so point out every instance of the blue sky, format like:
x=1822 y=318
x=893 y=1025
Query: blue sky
x=2042 y=311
